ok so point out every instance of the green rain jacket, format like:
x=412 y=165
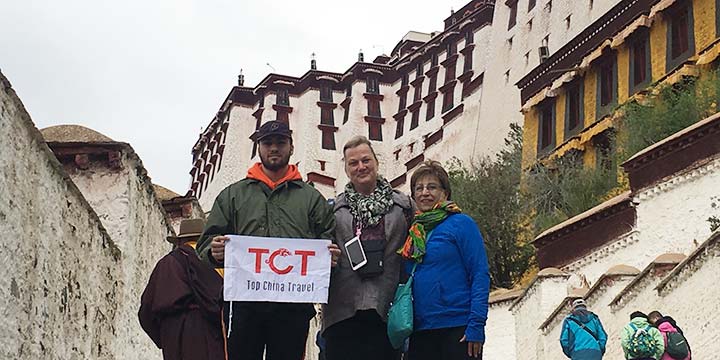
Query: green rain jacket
x=294 y=209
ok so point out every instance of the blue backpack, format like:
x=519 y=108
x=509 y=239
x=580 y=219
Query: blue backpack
x=642 y=344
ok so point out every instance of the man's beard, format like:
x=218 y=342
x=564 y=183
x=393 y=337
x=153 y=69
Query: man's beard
x=275 y=166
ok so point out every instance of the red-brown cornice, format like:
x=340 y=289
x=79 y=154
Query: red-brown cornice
x=452 y=114
x=465 y=76
x=430 y=97
x=371 y=96
x=449 y=86
x=432 y=71
x=401 y=114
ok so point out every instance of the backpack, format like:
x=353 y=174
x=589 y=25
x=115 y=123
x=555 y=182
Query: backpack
x=676 y=345
x=642 y=343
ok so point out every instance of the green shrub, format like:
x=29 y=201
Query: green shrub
x=489 y=191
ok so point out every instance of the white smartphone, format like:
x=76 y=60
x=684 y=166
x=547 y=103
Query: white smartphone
x=355 y=253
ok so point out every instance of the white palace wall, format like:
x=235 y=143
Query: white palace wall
x=76 y=266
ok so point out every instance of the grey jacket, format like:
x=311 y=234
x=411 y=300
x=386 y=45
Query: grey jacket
x=348 y=292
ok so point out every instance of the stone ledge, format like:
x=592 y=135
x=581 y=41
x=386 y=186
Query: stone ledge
x=546 y=273
x=680 y=272
x=661 y=263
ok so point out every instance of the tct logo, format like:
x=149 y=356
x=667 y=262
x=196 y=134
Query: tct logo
x=282 y=252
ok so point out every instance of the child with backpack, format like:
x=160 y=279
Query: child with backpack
x=641 y=341
x=676 y=346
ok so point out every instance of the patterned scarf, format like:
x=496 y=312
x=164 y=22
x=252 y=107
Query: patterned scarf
x=367 y=210
x=425 y=222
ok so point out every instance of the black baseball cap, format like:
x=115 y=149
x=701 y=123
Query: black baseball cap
x=270 y=128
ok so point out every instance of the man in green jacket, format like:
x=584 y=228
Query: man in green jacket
x=640 y=340
x=272 y=201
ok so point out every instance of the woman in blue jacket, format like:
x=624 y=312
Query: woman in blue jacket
x=451 y=280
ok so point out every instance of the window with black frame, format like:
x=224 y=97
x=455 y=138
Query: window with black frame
x=327 y=116
x=430 y=110
x=512 y=19
x=399 y=127
x=374 y=108
x=375 y=131
x=546 y=127
x=680 y=34
x=432 y=84
x=468 y=61
x=328 y=139
x=574 y=108
x=448 y=101
x=450 y=49
x=403 y=101
x=415 y=120
x=372 y=85
x=450 y=73
x=640 y=68
x=282 y=97
x=606 y=84
x=326 y=94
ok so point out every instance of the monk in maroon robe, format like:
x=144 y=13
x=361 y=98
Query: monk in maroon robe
x=181 y=306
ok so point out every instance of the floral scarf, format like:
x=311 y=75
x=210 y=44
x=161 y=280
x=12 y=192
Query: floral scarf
x=367 y=210
x=424 y=223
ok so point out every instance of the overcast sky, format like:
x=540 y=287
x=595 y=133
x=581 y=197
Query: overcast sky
x=154 y=72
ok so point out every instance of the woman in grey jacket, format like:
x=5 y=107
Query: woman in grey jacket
x=354 y=320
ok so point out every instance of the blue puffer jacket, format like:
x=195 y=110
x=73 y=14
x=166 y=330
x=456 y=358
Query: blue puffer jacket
x=576 y=341
x=451 y=285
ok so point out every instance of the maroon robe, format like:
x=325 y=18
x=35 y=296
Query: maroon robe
x=181 y=308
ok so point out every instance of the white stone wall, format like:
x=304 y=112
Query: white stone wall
x=147 y=231
x=551 y=336
x=671 y=218
x=135 y=219
x=627 y=250
x=500 y=332
x=62 y=294
x=236 y=158
x=672 y=215
x=692 y=300
x=542 y=298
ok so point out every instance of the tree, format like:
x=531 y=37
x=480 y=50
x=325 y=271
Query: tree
x=489 y=191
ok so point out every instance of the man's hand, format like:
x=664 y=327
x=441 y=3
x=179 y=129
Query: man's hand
x=474 y=348
x=217 y=248
x=334 y=253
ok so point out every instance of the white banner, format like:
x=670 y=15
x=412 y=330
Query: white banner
x=276 y=269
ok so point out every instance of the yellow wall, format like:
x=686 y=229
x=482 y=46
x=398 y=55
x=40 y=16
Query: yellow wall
x=623 y=67
x=704 y=20
x=589 y=156
x=560 y=118
x=530 y=135
x=590 y=101
x=704 y=35
x=658 y=42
